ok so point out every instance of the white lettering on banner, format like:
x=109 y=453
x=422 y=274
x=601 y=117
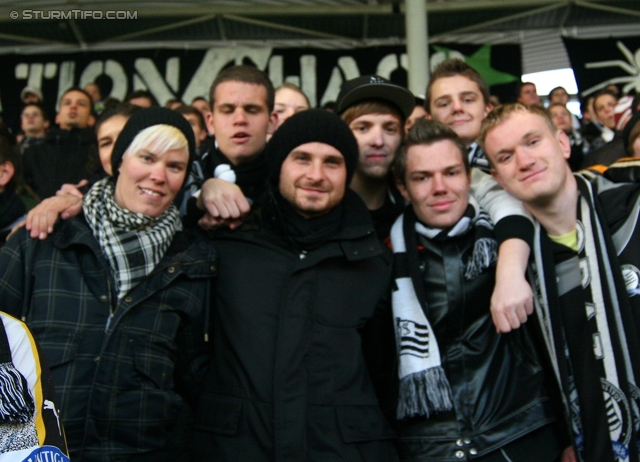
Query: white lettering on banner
x=215 y=59
x=145 y=74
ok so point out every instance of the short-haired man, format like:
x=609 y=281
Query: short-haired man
x=458 y=96
x=34 y=123
x=562 y=119
x=560 y=95
x=528 y=95
x=242 y=100
x=299 y=285
x=445 y=253
x=586 y=229
x=376 y=110
x=66 y=151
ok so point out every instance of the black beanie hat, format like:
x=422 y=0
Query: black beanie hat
x=313 y=125
x=146 y=118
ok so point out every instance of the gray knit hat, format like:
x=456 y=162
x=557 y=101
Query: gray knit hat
x=313 y=125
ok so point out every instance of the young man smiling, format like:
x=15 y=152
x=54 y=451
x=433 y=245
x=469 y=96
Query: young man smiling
x=445 y=254
x=458 y=96
x=585 y=266
x=288 y=378
x=376 y=110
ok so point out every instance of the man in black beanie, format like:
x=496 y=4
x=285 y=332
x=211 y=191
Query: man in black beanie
x=300 y=293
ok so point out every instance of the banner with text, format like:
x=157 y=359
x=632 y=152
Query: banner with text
x=186 y=74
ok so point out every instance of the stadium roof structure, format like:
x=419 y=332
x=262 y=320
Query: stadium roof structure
x=53 y=26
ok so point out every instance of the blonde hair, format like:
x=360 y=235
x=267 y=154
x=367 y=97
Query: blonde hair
x=503 y=112
x=159 y=139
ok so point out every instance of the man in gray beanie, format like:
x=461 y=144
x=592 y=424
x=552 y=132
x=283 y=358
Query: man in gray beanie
x=299 y=297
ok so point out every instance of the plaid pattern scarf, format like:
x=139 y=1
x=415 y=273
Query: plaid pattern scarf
x=133 y=243
x=424 y=387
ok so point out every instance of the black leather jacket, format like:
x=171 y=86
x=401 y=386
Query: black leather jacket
x=496 y=380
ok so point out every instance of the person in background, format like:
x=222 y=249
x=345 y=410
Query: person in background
x=196 y=178
x=202 y=105
x=34 y=124
x=117 y=298
x=173 y=103
x=560 y=95
x=93 y=89
x=64 y=155
x=631 y=136
x=528 y=94
x=418 y=113
x=142 y=98
x=561 y=118
x=30 y=95
x=609 y=147
x=289 y=100
x=195 y=119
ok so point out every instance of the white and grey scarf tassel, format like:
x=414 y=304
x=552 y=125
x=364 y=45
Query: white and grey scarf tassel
x=16 y=403
x=485 y=253
x=423 y=393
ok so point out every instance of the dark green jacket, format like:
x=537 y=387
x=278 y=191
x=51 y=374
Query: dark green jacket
x=123 y=371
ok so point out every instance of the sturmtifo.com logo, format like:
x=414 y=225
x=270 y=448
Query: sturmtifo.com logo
x=73 y=14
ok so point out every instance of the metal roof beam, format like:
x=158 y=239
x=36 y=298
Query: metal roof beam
x=24 y=38
x=504 y=19
x=607 y=8
x=77 y=33
x=299 y=30
x=164 y=28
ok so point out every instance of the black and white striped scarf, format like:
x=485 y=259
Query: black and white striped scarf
x=424 y=387
x=133 y=243
x=612 y=339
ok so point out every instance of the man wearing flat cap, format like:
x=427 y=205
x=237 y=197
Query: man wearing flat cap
x=302 y=285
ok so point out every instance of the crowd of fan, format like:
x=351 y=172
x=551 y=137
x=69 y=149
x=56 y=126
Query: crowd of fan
x=299 y=308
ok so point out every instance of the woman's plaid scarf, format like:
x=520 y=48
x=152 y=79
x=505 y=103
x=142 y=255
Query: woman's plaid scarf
x=133 y=243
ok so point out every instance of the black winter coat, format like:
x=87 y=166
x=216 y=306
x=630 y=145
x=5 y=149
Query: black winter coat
x=64 y=157
x=288 y=380
x=125 y=372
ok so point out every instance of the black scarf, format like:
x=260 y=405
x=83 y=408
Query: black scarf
x=250 y=176
x=305 y=233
